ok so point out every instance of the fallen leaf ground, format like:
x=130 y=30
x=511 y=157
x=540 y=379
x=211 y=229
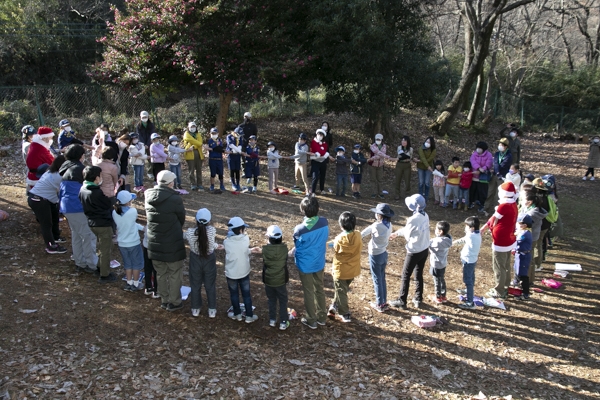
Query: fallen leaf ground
x=88 y=340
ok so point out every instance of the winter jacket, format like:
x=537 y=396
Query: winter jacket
x=37 y=156
x=378 y=155
x=96 y=206
x=237 y=256
x=380 y=237
x=502 y=163
x=453 y=175
x=175 y=154
x=320 y=149
x=523 y=252
x=137 y=153
x=192 y=238
x=426 y=158
x=300 y=151
x=166 y=215
x=128 y=231
x=275 y=272
x=192 y=140
x=216 y=149
x=346 y=255
x=593 y=160
x=470 y=251
x=357 y=169
x=484 y=160
x=438 y=251
x=273 y=158
x=310 y=239
x=145 y=132
x=110 y=177
x=123 y=161
x=515 y=179
x=247 y=129
x=48 y=186
x=466 y=179
x=537 y=215
x=416 y=233
x=341 y=165
x=72 y=179
x=157 y=153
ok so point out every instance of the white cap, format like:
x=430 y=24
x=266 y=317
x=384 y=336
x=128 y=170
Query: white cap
x=144 y=114
x=125 y=197
x=192 y=123
x=203 y=216
x=236 y=222
x=214 y=130
x=165 y=177
x=154 y=136
x=379 y=136
x=247 y=115
x=274 y=232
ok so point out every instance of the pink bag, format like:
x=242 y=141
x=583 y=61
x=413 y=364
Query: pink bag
x=551 y=283
x=423 y=321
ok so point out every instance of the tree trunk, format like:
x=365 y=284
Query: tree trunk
x=475 y=104
x=488 y=90
x=224 y=103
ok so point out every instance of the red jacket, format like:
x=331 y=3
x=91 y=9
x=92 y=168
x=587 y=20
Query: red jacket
x=319 y=148
x=37 y=156
x=466 y=179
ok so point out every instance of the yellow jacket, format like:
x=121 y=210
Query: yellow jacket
x=192 y=141
x=346 y=255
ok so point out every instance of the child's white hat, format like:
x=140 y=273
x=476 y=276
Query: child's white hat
x=274 y=232
x=203 y=216
x=125 y=197
x=236 y=222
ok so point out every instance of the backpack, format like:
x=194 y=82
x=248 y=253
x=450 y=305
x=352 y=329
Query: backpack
x=550 y=182
x=553 y=211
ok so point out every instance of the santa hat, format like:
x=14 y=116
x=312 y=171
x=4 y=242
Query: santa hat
x=45 y=131
x=507 y=189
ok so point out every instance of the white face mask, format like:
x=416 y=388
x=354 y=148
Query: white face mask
x=378 y=141
x=214 y=137
x=174 y=143
x=324 y=127
x=192 y=129
x=340 y=153
x=596 y=140
x=100 y=183
x=513 y=134
x=104 y=133
x=145 y=119
x=500 y=147
x=427 y=145
x=68 y=128
x=356 y=151
x=479 y=151
x=467 y=230
x=271 y=149
x=467 y=169
x=135 y=141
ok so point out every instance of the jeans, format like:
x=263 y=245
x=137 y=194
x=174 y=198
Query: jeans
x=104 y=240
x=501 y=266
x=340 y=299
x=169 y=276
x=176 y=169
x=424 y=180
x=235 y=285
x=274 y=294
x=83 y=240
x=452 y=190
x=413 y=262
x=342 y=182
x=138 y=175
x=46 y=214
x=438 y=281
x=463 y=195
x=314 y=296
x=377 y=264
x=133 y=257
x=469 y=279
x=150 y=280
x=203 y=271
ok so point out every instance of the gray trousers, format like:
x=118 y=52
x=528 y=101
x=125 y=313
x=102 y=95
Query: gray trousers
x=203 y=271
x=83 y=240
x=273 y=178
x=169 y=276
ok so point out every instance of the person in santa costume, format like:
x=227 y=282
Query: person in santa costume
x=39 y=153
x=502 y=227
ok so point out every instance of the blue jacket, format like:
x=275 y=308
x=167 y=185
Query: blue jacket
x=502 y=164
x=252 y=160
x=72 y=179
x=310 y=238
x=523 y=252
x=66 y=138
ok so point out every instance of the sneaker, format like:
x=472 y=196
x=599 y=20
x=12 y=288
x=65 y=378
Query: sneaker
x=155 y=295
x=523 y=297
x=251 y=319
x=304 y=321
x=494 y=294
x=195 y=312
x=377 y=307
x=346 y=318
x=86 y=269
x=212 y=313
x=60 y=240
x=295 y=187
x=322 y=323
x=272 y=323
x=174 y=307
x=56 y=249
x=381 y=196
x=254 y=190
x=461 y=291
x=274 y=192
x=467 y=305
x=585 y=178
x=444 y=299
x=444 y=205
x=212 y=188
x=417 y=303
x=385 y=307
x=127 y=287
x=148 y=291
x=398 y=304
x=592 y=178
x=234 y=317
x=200 y=187
x=332 y=311
x=164 y=306
x=355 y=195
x=222 y=188
x=538 y=269
x=437 y=300
x=106 y=279
x=136 y=288
x=150 y=176
x=435 y=203
x=194 y=187
x=284 y=325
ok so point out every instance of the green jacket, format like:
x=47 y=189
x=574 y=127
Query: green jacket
x=426 y=157
x=275 y=272
x=166 y=215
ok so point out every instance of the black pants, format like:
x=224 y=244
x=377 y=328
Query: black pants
x=156 y=168
x=318 y=171
x=590 y=171
x=413 y=262
x=274 y=294
x=46 y=214
x=478 y=193
x=524 y=283
x=149 y=273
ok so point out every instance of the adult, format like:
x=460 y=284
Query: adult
x=502 y=161
x=192 y=139
x=166 y=215
x=403 y=167
x=328 y=138
x=318 y=166
x=482 y=163
x=83 y=240
x=546 y=202
x=511 y=133
x=502 y=226
x=39 y=153
x=145 y=128
x=425 y=162
x=247 y=128
x=377 y=161
x=593 y=159
x=43 y=201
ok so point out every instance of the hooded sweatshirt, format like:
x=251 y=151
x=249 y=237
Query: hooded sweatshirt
x=72 y=179
x=346 y=255
x=438 y=251
x=166 y=215
x=537 y=215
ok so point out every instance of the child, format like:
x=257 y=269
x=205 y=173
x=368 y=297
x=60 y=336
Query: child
x=137 y=155
x=438 y=259
x=237 y=269
x=252 y=170
x=466 y=179
x=110 y=173
x=380 y=232
x=356 y=170
x=346 y=264
x=310 y=239
x=341 y=170
x=273 y=166
x=453 y=182
x=468 y=257
x=27 y=135
x=157 y=155
x=203 y=263
x=522 y=253
x=514 y=144
x=301 y=153
x=235 y=144
x=439 y=183
x=129 y=239
x=275 y=275
x=151 y=282
x=215 y=160
x=514 y=176
x=416 y=233
x=593 y=160
x=175 y=159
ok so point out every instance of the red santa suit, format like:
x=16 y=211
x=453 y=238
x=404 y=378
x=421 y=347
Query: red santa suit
x=502 y=224
x=39 y=153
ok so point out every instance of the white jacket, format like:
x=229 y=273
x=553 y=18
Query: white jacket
x=137 y=154
x=237 y=256
x=416 y=233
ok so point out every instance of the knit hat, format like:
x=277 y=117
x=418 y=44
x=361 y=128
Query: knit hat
x=539 y=184
x=274 y=232
x=74 y=152
x=416 y=202
x=507 y=190
x=192 y=123
x=165 y=177
x=383 y=209
x=45 y=131
x=525 y=219
x=125 y=197
x=203 y=216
